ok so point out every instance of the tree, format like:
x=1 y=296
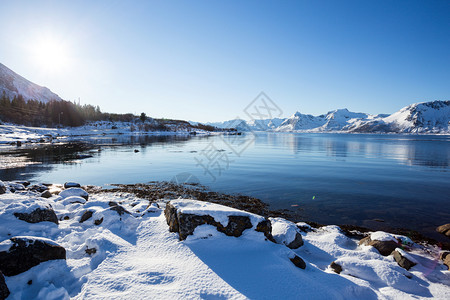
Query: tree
x=143 y=117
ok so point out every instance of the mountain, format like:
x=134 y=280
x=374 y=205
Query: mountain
x=427 y=117
x=13 y=84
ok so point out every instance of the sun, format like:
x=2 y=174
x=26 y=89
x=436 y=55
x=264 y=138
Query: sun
x=51 y=54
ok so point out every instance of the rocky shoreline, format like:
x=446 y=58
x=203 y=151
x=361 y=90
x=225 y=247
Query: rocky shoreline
x=73 y=213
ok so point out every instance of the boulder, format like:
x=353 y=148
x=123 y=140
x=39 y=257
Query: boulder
x=2 y=187
x=402 y=259
x=337 y=268
x=68 y=185
x=117 y=208
x=98 y=222
x=385 y=244
x=444 y=229
x=445 y=257
x=86 y=216
x=286 y=232
x=185 y=215
x=46 y=194
x=73 y=199
x=27 y=252
x=4 y=291
x=40 y=188
x=298 y=262
x=38 y=215
x=74 y=192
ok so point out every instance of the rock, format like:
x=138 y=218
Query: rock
x=445 y=257
x=286 y=232
x=265 y=227
x=336 y=267
x=384 y=247
x=4 y=291
x=86 y=216
x=46 y=194
x=38 y=215
x=98 y=222
x=298 y=262
x=18 y=143
x=73 y=199
x=2 y=187
x=444 y=229
x=69 y=185
x=24 y=183
x=90 y=251
x=74 y=192
x=136 y=150
x=38 y=188
x=118 y=208
x=27 y=252
x=402 y=260
x=185 y=223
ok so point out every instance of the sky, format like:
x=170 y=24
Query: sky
x=207 y=60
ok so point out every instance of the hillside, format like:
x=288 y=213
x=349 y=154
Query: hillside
x=13 y=85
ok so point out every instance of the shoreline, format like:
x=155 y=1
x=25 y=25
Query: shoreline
x=156 y=190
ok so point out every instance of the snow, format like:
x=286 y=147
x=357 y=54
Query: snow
x=382 y=236
x=283 y=231
x=220 y=213
x=136 y=257
x=70 y=192
x=428 y=117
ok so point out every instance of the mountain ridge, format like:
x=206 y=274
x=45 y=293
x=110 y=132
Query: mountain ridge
x=424 y=117
x=13 y=85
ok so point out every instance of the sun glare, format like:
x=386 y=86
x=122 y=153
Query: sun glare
x=51 y=55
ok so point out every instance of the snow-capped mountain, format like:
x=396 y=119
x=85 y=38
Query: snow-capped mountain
x=13 y=84
x=427 y=117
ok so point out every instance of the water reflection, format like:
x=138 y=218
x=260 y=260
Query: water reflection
x=408 y=150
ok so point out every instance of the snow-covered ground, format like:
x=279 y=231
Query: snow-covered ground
x=136 y=257
x=10 y=133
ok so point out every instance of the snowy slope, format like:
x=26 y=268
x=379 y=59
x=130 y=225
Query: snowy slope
x=13 y=84
x=426 y=117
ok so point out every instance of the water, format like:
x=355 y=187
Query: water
x=377 y=181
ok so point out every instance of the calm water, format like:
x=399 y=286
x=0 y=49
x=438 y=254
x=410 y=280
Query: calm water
x=327 y=178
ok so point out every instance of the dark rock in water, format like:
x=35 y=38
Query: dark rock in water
x=336 y=267
x=297 y=242
x=136 y=150
x=83 y=156
x=402 y=261
x=298 y=262
x=445 y=257
x=4 y=291
x=98 y=222
x=384 y=247
x=185 y=224
x=68 y=185
x=38 y=215
x=46 y=194
x=18 y=143
x=27 y=252
x=86 y=216
x=444 y=229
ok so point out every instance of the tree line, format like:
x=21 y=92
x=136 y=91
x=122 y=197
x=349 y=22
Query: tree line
x=53 y=113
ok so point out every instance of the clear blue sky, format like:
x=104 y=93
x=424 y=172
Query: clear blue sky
x=206 y=60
